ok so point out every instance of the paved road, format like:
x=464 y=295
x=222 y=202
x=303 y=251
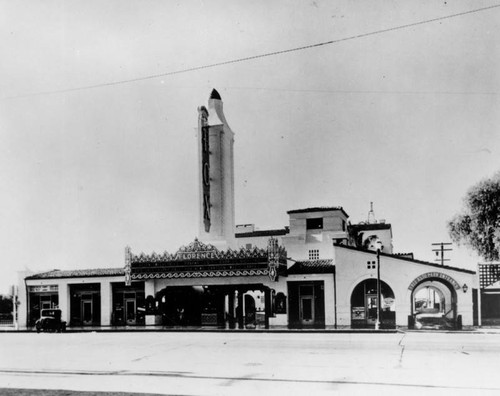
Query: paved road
x=250 y=363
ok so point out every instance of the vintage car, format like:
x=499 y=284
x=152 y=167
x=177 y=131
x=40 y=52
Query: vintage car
x=50 y=320
x=433 y=321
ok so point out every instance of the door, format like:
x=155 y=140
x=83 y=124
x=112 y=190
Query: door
x=87 y=309
x=130 y=311
x=306 y=310
x=306 y=306
x=46 y=302
x=371 y=309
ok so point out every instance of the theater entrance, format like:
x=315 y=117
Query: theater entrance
x=223 y=306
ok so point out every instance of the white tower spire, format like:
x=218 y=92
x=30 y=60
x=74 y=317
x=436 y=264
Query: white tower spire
x=371 y=215
x=216 y=175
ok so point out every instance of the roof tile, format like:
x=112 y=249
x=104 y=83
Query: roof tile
x=312 y=267
x=82 y=273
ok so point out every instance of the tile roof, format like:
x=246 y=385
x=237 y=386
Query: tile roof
x=312 y=267
x=83 y=273
x=259 y=233
x=374 y=226
x=318 y=209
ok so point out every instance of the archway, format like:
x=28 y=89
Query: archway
x=433 y=304
x=364 y=305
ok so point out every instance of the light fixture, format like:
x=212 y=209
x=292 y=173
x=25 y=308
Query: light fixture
x=465 y=287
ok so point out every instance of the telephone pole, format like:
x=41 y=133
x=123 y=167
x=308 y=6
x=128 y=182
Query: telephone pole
x=440 y=251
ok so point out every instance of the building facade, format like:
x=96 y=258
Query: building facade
x=489 y=296
x=319 y=271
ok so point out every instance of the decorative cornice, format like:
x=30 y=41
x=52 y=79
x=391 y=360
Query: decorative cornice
x=200 y=260
x=202 y=274
x=198 y=250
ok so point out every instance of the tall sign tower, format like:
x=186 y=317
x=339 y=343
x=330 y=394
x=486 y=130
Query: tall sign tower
x=216 y=175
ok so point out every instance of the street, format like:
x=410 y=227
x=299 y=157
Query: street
x=204 y=363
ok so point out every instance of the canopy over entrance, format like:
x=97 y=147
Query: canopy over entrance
x=199 y=260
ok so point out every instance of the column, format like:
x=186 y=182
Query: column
x=231 y=309
x=149 y=287
x=267 y=306
x=64 y=296
x=106 y=303
x=149 y=290
x=240 y=310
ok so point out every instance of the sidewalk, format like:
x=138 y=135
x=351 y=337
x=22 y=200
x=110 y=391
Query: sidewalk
x=208 y=329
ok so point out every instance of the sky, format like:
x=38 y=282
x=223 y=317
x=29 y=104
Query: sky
x=407 y=119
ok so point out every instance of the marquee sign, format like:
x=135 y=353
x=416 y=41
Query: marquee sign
x=197 y=250
x=204 y=260
x=273 y=258
x=434 y=275
x=128 y=261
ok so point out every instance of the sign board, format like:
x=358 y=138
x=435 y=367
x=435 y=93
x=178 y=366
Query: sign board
x=205 y=173
x=434 y=275
x=43 y=288
x=358 y=313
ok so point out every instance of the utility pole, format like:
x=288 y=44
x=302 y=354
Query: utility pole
x=440 y=251
x=379 y=295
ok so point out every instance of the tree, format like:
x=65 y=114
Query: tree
x=478 y=226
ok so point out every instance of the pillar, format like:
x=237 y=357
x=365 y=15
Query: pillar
x=267 y=306
x=231 y=315
x=240 y=310
x=106 y=303
x=64 y=296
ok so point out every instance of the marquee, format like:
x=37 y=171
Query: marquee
x=200 y=260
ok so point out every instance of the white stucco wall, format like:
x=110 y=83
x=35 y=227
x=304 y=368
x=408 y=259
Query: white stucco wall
x=352 y=269
x=63 y=285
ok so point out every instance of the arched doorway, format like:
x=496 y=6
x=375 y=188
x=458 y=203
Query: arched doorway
x=364 y=305
x=433 y=304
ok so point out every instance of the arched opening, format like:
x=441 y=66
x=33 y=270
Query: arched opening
x=364 y=305
x=434 y=305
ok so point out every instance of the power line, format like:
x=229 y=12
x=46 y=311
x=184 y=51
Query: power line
x=249 y=58
x=342 y=91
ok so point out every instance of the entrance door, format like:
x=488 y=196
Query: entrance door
x=130 y=311
x=371 y=309
x=307 y=310
x=87 y=312
x=306 y=304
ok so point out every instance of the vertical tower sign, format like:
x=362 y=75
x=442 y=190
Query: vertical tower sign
x=205 y=172
x=215 y=175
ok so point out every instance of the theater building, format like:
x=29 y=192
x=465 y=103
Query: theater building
x=319 y=272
